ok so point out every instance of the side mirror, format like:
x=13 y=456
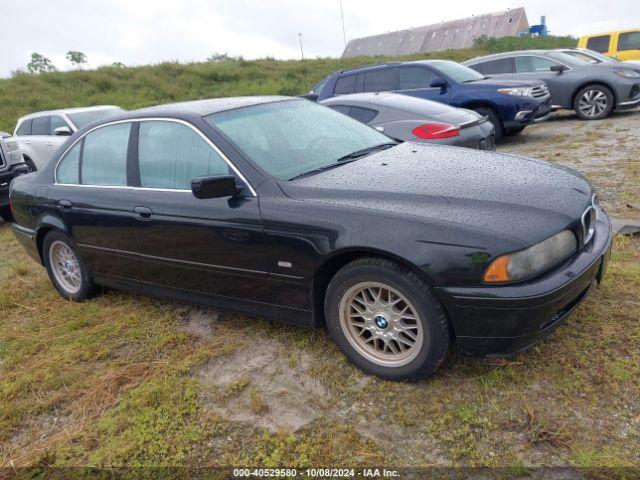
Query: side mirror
x=62 y=131
x=439 y=83
x=4 y=135
x=558 y=68
x=217 y=186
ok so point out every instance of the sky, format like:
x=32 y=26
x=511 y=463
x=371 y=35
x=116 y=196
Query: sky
x=139 y=32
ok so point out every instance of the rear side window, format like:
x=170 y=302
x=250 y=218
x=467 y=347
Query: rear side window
x=345 y=85
x=344 y=109
x=380 y=80
x=599 y=44
x=40 y=126
x=527 y=64
x=495 y=67
x=364 y=115
x=171 y=155
x=415 y=77
x=104 y=157
x=69 y=167
x=629 y=41
x=25 y=128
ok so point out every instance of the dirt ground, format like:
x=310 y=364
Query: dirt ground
x=124 y=380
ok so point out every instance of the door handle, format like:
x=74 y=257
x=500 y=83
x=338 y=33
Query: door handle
x=65 y=205
x=49 y=144
x=143 y=213
x=28 y=142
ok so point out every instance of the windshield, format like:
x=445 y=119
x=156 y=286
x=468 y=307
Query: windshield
x=318 y=86
x=290 y=138
x=457 y=72
x=80 y=119
x=595 y=55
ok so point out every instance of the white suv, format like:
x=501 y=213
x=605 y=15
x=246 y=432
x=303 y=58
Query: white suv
x=40 y=134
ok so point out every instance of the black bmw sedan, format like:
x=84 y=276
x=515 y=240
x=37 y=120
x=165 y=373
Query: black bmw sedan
x=283 y=208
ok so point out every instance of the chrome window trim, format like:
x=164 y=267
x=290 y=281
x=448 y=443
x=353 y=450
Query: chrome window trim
x=149 y=119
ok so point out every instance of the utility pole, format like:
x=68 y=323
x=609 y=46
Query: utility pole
x=344 y=34
x=301 y=50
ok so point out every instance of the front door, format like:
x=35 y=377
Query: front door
x=213 y=246
x=416 y=81
x=530 y=67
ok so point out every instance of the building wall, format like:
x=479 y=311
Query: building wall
x=442 y=36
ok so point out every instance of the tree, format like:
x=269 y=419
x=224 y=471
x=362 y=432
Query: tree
x=77 y=58
x=118 y=65
x=40 y=64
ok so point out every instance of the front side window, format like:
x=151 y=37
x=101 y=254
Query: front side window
x=629 y=41
x=415 y=77
x=528 y=64
x=455 y=71
x=289 y=138
x=380 y=80
x=56 y=122
x=40 y=126
x=69 y=167
x=171 y=154
x=599 y=44
x=25 y=128
x=104 y=158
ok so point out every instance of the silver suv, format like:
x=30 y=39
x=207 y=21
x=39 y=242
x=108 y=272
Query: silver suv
x=40 y=134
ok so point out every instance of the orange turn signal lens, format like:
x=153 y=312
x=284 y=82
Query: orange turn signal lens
x=497 y=271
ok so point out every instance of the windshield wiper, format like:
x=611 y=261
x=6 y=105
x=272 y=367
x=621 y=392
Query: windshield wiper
x=350 y=157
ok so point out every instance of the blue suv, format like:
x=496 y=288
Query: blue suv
x=511 y=105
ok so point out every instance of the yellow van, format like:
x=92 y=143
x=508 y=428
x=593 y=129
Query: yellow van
x=622 y=44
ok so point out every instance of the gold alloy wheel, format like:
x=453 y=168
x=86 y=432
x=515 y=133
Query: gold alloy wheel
x=381 y=324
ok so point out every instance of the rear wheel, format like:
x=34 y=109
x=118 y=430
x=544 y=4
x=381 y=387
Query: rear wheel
x=494 y=118
x=5 y=214
x=593 y=102
x=385 y=320
x=67 y=271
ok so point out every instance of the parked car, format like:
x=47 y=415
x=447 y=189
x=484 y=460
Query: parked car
x=11 y=165
x=281 y=207
x=592 y=56
x=40 y=134
x=621 y=44
x=414 y=119
x=510 y=105
x=592 y=90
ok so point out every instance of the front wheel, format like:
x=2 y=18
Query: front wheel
x=593 y=102
x=514 y=131
x=386 y=321
x=494 y=118
x=67 y=271
x=5 y=214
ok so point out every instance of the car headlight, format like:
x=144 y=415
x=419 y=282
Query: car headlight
x=14 y=155
x=535 y=259
x=517 y=91
x=627 y=73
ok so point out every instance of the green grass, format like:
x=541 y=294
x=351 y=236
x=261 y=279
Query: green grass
x=137 y=87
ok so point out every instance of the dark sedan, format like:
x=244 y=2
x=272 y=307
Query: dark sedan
x=284 y=208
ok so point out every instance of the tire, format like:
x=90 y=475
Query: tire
x=5 y=214
x=514 y=131
x=593 y=102
x=494 y=118
x=29 y=162
x=78 y=286
x=421 y=344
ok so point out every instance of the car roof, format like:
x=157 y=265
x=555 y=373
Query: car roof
x=392 y=64
x=209 y=106
x=506 y=55
x=610 y=32
x=67 y=111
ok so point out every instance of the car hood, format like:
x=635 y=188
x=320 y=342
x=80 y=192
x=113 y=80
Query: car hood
x=522 y=198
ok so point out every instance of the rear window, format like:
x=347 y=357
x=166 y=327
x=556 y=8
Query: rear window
x=81 y=119
x=495 y=67
x=380 y=80
x=345 y=85
x=629 y=41
x=25 y=128
x=599 y=44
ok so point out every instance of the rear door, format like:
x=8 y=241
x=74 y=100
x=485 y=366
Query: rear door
x=92 y=196
x=40 y=140
x=498 y=68
x=416 y=81
x=212 y=246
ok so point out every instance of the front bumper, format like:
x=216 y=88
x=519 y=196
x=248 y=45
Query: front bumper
x=509 y=319
x=533 y=114
x=628 y=96
x=5 y=181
